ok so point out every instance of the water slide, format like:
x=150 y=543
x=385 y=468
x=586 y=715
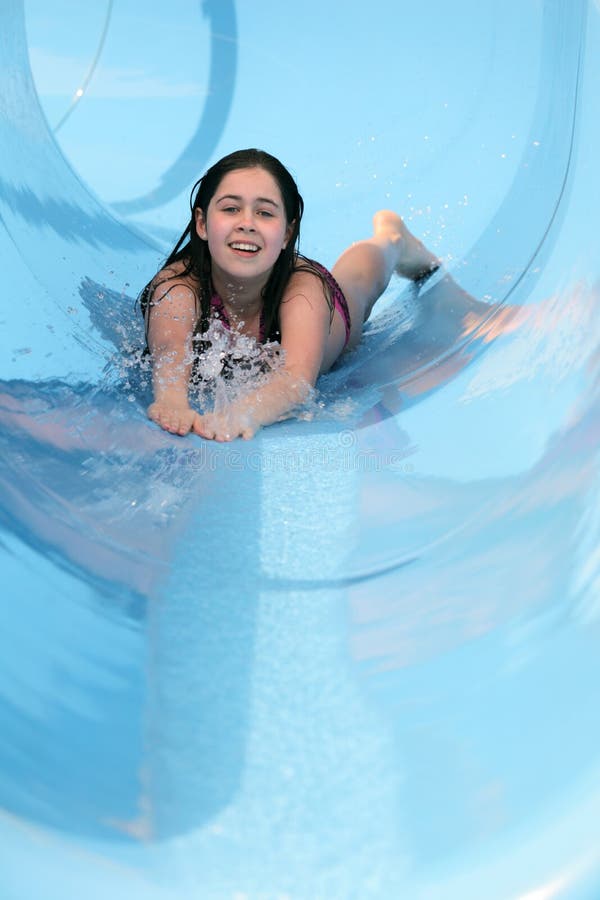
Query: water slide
x=357 y=656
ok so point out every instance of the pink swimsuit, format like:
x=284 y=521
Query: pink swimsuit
x=337 y=297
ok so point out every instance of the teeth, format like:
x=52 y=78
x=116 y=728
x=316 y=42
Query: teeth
x=240 y=246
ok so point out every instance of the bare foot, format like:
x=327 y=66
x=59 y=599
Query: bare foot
x=413 y=259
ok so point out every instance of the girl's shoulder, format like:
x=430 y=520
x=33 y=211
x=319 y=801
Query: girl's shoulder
x=304 y=264
x=173 y=288
x=308 y=274
x=307 y=271
x=176 y=274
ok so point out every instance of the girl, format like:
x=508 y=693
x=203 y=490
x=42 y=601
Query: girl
x=238 y=261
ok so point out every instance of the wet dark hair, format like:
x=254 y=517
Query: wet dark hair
x=193 y=252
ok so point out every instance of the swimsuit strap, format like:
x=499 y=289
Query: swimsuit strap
x=218 y=308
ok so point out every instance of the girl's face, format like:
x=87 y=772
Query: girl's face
x=245 y=225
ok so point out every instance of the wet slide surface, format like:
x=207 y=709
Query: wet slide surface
x=356 y=657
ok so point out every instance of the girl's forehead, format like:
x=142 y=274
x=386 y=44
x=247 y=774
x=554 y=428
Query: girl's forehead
x=249 y=183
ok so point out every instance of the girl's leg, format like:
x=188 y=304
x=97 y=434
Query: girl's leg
x=364 y=270
x=74 y=426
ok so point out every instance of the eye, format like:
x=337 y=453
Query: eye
x=266 y=213
x=229 y=209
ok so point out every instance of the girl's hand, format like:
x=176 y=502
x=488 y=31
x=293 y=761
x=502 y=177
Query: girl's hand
x=176 y=419
x=225 y=426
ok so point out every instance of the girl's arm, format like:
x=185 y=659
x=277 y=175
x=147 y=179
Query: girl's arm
x=305 y=332
x=171 y=325
x=269 y=403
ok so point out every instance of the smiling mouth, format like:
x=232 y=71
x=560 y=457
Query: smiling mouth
x=244 y=247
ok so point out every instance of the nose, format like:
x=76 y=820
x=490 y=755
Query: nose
x=246 y=221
